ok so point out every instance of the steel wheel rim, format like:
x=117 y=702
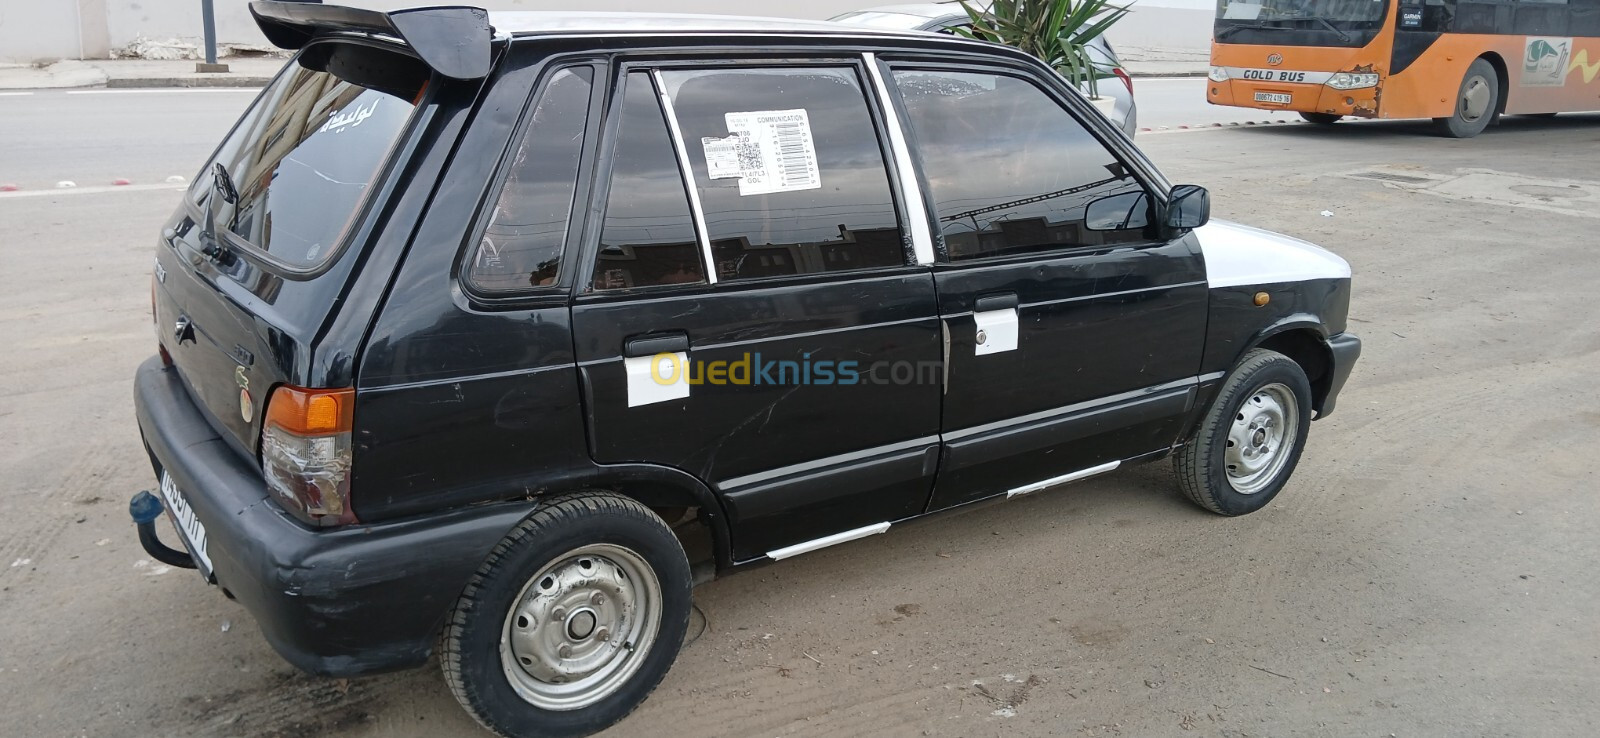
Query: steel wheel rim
x=1475 y=99
x=1261 y=438
x=581 y=627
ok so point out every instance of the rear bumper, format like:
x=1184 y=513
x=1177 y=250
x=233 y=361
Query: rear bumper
x=1345 y=348
x=342 y=602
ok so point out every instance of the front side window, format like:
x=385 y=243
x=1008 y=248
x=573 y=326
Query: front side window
x=1012 y=172
x=648 y=237
x=523 y=243
x=290 y=178
x=789 y=170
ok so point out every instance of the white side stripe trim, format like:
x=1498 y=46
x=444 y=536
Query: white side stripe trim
x=921 y=232
x=826 y=541
x=1063 y=479
x=687 y=166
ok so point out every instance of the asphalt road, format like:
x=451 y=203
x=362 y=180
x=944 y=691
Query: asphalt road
x=93 y=138
x=1429 y=571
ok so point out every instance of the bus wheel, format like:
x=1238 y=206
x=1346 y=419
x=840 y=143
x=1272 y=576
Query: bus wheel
x=1477 y=103
x=1321 y=119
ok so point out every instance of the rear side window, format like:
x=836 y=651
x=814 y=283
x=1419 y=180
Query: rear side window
x=1011 y=171
x=648 y=237
x=789 y=170
x=289 y=179
x=523 y=243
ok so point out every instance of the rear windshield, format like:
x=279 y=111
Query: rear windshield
x=289 y=179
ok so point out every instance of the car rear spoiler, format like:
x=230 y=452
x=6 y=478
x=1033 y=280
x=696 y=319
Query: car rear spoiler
x=453 y=41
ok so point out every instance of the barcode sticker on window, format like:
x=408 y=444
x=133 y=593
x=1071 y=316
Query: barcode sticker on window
x=769 y=151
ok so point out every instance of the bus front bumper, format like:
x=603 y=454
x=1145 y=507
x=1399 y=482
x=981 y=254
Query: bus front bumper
x=1301 y=98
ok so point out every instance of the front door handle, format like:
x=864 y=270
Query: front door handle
x=995 y=324
x=655 y=343
x=1002 y=301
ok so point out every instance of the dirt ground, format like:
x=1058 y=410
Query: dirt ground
x=1429 y=571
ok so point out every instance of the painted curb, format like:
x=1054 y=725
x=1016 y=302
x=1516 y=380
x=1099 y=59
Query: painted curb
x=128 y=83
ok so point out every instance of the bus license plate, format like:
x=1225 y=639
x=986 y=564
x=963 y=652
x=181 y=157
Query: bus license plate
x=1279 y=98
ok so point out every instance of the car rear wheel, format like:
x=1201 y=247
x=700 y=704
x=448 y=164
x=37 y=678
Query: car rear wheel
x=1250 y=440
x=572 y=621
x=1477 y=102
x=1321 y=119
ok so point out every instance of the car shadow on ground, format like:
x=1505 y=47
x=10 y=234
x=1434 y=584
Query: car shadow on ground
x=1411 y=128
x=285 y=702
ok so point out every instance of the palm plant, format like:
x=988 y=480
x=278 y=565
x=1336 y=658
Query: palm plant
x=1056 y=31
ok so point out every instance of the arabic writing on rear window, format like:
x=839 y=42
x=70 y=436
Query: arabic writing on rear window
x=293 y=173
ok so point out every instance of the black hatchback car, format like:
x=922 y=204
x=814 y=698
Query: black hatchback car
x=490 y=335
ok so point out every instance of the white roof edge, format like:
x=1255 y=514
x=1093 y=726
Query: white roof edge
x=538 y=22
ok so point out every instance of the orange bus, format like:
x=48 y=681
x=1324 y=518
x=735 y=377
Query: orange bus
x=1462 y=63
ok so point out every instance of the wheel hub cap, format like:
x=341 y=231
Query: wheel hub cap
x=581 y=627
x=1261 y=438
x=1475 y=99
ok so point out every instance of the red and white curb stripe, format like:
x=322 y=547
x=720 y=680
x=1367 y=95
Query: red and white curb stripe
x=1213 y=126
x=11 y=189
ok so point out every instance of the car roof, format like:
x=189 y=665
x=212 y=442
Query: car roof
x=535 y=22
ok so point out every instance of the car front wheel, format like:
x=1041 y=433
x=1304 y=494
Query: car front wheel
x=572 y=621
x=1250 y=440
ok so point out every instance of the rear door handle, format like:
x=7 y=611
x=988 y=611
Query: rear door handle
x=1003 y=301
x=655 y=343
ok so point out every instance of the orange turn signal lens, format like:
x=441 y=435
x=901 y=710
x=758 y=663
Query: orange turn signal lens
x=311 y=412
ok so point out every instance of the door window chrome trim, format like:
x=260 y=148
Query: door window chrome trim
x=910 y=190
x=695 y=209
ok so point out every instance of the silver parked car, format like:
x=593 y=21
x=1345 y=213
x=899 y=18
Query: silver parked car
x=1114 y=87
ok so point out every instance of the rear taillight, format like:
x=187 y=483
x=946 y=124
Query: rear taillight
x=305 y=452
x=1122 y=74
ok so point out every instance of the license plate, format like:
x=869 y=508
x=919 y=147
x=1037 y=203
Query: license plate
x=189 y=526
x=1280 y=98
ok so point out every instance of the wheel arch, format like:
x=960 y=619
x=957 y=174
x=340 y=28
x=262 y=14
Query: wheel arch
x=660 y=488
x=1503 y=81
x=1305 y=341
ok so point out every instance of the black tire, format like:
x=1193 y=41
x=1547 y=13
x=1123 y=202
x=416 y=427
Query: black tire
x=1477 y=102
x=545 y=546
x=1321 y=119
x=1203 y=463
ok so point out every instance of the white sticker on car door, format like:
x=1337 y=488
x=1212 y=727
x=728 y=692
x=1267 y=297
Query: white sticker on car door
x=658 y=378
x=769 y=151
x=997 y=331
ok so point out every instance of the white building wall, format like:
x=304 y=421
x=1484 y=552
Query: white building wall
x=33 y=30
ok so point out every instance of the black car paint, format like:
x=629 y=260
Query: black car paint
x=495 y=392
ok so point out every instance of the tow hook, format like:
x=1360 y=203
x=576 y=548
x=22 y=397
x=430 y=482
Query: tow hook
x=145 y=508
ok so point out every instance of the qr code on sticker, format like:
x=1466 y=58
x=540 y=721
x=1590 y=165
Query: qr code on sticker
x=749 y=151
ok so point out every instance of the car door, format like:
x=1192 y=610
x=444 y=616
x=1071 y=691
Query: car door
x=1074 y=329
x=747 y=323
